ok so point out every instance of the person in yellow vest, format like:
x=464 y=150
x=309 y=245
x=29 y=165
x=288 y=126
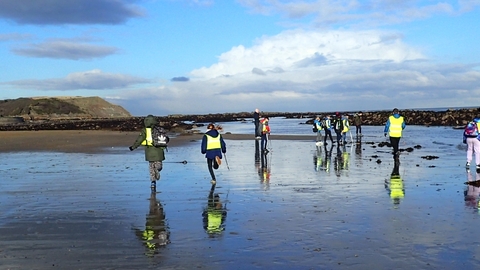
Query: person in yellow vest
x=265 y=131
x=346 y=128
x=213 y=146
x=154 y=155
x=319 y=127
x=394 y=128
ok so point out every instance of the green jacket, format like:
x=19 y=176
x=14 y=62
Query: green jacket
x=151 y=153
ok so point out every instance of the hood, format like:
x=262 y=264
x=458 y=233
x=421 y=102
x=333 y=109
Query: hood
x=212 y=132
x=150 y=121
x=396 y=115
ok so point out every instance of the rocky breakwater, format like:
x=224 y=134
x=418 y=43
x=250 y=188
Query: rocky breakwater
x=454 y=118
x=189 y=123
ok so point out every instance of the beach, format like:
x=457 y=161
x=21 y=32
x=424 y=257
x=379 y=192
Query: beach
x=81 y=200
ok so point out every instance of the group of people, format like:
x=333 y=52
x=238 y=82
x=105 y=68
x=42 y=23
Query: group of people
x=338 y=124
x=214 y=147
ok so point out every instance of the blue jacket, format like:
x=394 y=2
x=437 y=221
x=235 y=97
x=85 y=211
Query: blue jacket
x=387 y=125
x=211 y=154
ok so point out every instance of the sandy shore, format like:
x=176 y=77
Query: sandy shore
x=91 y=141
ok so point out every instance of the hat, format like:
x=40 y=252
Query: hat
x=337 y=113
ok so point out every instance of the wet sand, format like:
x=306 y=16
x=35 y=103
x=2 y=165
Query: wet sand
x=89 y=205
x=92 y=141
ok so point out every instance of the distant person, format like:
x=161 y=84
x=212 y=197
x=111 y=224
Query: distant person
x=327 y=123
x=256 y=121
x=346 y=128
x=319 y=127
x=213 y=146
x=154 y=155
x=357 y=121
x=338 y=127
x=471 y=138
x=264 y=129
x=394 y=128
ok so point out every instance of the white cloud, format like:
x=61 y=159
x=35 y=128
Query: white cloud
x=93 y=79
x=316 y=71
x=290 y=49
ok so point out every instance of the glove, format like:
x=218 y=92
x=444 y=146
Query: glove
x=131 y=148
x=385 y=134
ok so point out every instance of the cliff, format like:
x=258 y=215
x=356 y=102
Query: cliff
x=55 y=108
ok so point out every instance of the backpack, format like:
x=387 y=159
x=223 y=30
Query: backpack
x=471 y=129
x=159 y=137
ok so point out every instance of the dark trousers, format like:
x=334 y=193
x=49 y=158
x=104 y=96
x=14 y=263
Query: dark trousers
x=339 y=135
x=328 y=133
x=212 y=164
x=358 y=129
x=395 y=141
x=264 y=141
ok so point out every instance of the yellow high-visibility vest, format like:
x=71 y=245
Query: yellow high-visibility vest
x=395 y=129
x=213 y=142
x=148 y=138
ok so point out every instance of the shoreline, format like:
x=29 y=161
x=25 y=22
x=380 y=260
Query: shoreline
x=97 y=141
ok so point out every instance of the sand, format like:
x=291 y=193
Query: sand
x=95 y=141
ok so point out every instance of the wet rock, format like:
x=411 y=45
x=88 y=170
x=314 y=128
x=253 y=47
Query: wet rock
x=429 y=157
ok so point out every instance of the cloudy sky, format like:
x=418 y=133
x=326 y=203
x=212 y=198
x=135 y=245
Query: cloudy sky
x=211 y=56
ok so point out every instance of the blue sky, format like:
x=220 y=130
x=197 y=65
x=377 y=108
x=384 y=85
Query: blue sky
x=209 y=56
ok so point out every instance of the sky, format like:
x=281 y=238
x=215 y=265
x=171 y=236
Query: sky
x=165 y=57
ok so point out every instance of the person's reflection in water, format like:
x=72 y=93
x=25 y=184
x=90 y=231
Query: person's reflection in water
x=318 y=158
x=264 y=171
x=358 y=150
x=472 y=190
x=345 y=158
x=156 y=233
x=338 y=161
x=394 y=186
x=328 y=158
x=257 y=154
x=214 y=214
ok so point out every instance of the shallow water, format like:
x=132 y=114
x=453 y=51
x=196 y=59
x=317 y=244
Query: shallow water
x=298 y=207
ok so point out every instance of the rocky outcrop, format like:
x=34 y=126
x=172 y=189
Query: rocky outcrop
x=58 y=108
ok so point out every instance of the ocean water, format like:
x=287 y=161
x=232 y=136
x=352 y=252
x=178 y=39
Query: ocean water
x=299 y=206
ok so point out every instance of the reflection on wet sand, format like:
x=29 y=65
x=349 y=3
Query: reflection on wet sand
x=156 y=232
x=394 y=185
x=472 y=190
x=214 y=214
x=341 y=161
x=263 y=166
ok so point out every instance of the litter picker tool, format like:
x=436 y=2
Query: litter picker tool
x=226 y=161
